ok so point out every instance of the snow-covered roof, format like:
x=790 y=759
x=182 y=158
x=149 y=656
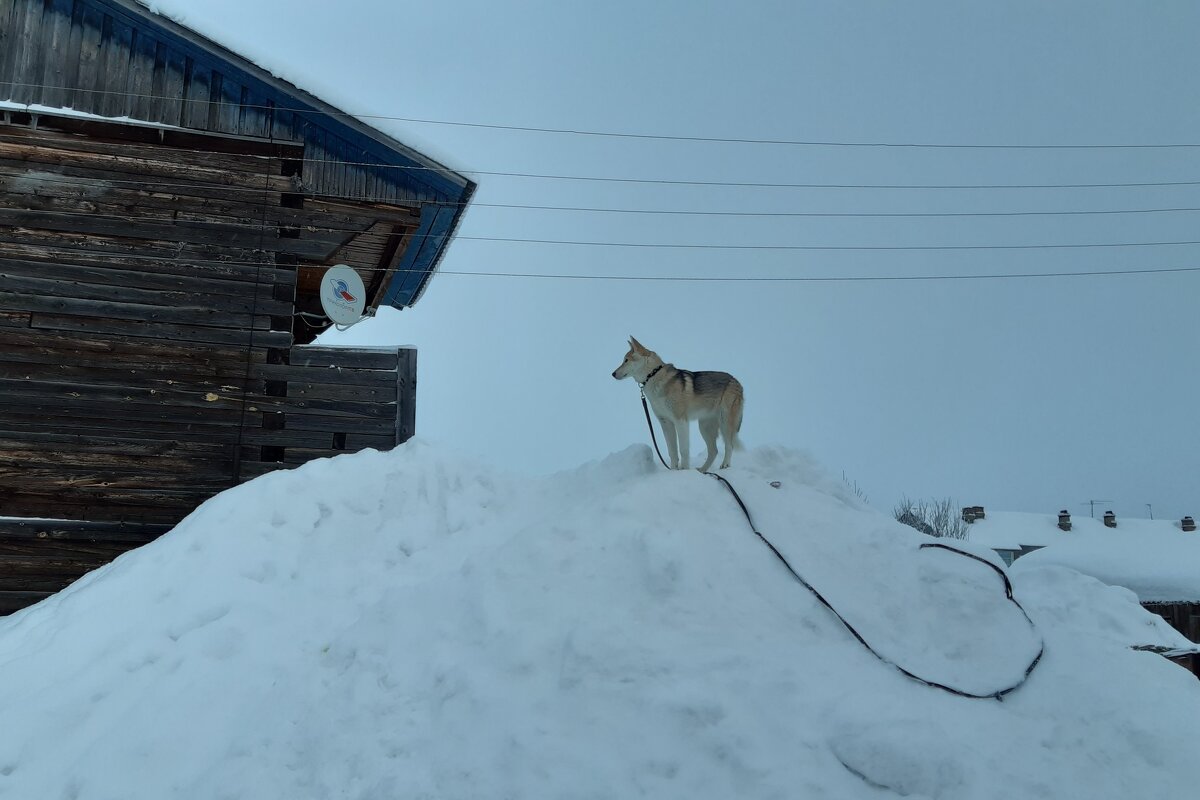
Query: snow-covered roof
x=1154 y=558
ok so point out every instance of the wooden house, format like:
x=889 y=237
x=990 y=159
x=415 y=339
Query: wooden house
x=167 y=212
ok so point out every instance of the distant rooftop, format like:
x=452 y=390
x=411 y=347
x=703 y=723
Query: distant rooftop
x=1155 y=559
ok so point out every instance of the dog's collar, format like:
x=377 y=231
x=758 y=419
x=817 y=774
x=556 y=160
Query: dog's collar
x=653 y=372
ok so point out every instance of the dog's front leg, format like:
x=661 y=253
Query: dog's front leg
x=683 y=430
x=668 y=429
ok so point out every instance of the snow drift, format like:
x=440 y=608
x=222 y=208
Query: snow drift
x=411 y=624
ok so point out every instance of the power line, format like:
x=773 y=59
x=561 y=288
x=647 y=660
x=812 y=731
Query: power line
x=634 y=135
x=686 y=246
x=778 y=185
x=837 y=214
x=822 y=278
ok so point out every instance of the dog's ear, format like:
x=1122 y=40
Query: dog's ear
x=636 y=345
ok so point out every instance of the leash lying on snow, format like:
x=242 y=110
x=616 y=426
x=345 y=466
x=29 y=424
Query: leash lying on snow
x=1008 y=593
x=997 y=695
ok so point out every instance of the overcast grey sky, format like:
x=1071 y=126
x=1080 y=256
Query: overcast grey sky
x=1025 y=394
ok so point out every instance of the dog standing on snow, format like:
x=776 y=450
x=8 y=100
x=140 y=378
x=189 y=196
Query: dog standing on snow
x=713 y=399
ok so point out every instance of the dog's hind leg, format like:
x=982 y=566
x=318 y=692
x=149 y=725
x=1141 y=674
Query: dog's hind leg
x=668 y=431
x=708 y=430
x=731 y=423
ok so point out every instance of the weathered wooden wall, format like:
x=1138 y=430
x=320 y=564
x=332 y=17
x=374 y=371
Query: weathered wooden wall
x=147 y=291
x=338 y=400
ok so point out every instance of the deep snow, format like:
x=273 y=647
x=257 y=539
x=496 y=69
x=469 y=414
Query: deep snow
x=412 y=624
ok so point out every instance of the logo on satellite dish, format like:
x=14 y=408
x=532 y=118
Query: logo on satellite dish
x=342 y=294
x=342 y=290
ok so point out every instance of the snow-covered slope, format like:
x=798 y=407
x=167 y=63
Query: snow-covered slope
x=413 y=625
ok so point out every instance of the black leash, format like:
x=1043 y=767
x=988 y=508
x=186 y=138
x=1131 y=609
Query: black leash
x=997 y=695
x=1008 y=593
x=650 y=425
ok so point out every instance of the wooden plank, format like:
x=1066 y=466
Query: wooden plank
x=89 y=421
x=120 y=500
x=195 y=109
x=7 y=45
x=136 y=313
x=347 y=425
x=90 y=50
x=146 y=277
x=229 y=102
x=13 y=442
x=83 y=283
x=26 y=19
x=22 y=365
x=64 y=564
x=118 y=44
x=30 y=188
x=320 y=440
x=338 y=375
x=406 y=395
x=140 y=84
x=41 y=176
x=151 y=330
x=317 y=247
x=332 y=391
x=119 y=350
x=192 y=146
x=289 y=438
x=14 y=319
x=102 y=507
x=61 y=408
x=71 y=53
x=162 y=164
x=133 y=328
x=353 y=358
x=316 y=407
x=55 y=37
x=72 y=394
x=182 y=259
x=124 y=534
x=104 y=478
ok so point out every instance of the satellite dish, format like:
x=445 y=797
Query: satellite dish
x=343 y=295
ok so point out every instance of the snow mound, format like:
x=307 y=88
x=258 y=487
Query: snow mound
x=412 y=624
